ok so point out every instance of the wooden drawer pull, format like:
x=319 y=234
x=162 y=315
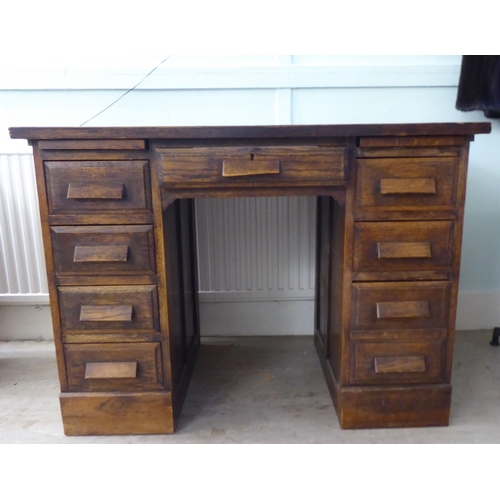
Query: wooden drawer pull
x=400 y=364
x=407 y=186
x=106 y=313
x=404 y=250
x=252 y=166
x=113 y=369
x=110 y=253
x=408 y=309
x=85 y=191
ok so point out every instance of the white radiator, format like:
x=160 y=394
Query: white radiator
x=22 y=265
x=256 y=248
x=249 y=248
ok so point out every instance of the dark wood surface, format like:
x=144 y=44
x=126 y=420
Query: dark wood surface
x=146 y=357
x=97 y=186
x=111 y=250
x=277 y=131
x=118 y=224
x=244 y=167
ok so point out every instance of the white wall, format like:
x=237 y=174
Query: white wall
x=273 y=90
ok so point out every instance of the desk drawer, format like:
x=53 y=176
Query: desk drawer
x=398 y=362
x=108 y=309
x=400 y=306
x=96 y=186
x=418 y=183
x=403 y=250
x=114 y=367
x=103 y=250
x=306 y=166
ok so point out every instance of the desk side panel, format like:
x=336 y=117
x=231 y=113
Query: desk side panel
x=181 y=296
x=49 y=263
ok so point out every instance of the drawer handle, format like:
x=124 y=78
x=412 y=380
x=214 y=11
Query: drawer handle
x=408 y=309
x=400 y=364
x=404 y=250
x=426 y=185
x=106 y=313
x=252 y=166
x=85 y=191
x=115 y=253
x=112 y=369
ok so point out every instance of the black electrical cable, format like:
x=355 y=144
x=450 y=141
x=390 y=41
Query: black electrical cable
x=127 y=92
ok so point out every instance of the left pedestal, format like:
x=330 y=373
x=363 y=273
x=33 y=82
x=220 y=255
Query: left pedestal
x=103 y=240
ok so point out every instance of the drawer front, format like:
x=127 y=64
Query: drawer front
x=400 y=306
x=398 y=362
x=403 y=250
x=108 y=309
x=420 y=183
x=96 y=186
x=103 y=250
x=252 y=165
x=114 y=367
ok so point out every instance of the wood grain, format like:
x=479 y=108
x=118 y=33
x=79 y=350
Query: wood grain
x=97 y=414
x=403 y=309
x=399 y=364
x=108 y=309
x=390 y=250
x=112 y=366
x=244 y=168
x=403 y=406
x=251 y=132
x=382 y=306
x=101 y=253
x=94 y=191
x=92 y=145
x=106 y=313
x=420 y=184
x=407 y=186
x=279 y=166
x=111 y=369
x=97 y=186
x=104 y=250
x=404 y=250
x=411 y=142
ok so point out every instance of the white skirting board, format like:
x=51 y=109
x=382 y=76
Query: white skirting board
x=243 y=313
x=478 y=310
x=246 y=314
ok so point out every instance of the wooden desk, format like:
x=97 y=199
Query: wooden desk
x=118 y=225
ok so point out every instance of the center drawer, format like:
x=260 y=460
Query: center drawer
x=108 y=309
x=103 y=250
x=303 y=165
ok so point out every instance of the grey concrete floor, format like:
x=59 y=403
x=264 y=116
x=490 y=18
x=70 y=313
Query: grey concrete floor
x=253 y=390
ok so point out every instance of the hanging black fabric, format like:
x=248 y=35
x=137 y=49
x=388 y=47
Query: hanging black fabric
x=479 y=85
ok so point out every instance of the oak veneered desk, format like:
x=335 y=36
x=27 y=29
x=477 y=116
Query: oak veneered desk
x=119 y=233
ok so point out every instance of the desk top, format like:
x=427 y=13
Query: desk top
x=269 y=131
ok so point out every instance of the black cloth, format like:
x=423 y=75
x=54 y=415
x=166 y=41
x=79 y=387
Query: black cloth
x=479 y=85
